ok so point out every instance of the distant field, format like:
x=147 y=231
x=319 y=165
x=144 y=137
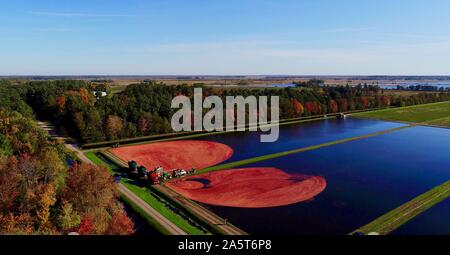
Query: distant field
x=434 y=114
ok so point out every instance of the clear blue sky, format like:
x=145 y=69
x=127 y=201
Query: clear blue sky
x=224 y=37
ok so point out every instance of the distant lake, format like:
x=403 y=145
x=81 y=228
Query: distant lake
x=407 y=84
x=381 y=85
x=276 y=85
x=288 y=85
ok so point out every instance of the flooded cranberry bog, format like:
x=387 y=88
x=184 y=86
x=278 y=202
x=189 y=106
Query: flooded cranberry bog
x=365 y=179
x=326 y=190
x=293 y=136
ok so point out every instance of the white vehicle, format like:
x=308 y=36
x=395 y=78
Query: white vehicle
x=179 y=172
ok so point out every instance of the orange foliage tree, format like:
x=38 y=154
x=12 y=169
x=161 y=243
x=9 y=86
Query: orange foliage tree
x=298 y=107
x=120 y=225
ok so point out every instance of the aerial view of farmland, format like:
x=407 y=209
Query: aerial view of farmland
x=224 y=127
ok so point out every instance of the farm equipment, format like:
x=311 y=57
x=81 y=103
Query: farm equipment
x=142 y=172
x=153 y=177
x=133 y=167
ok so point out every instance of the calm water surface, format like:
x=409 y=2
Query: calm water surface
x=365 y=178
x=294 y=136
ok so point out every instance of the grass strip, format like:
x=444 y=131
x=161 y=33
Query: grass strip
x=420 y=114
x=392 y=220
x=146 y=195
x=149 y=220
x=212 y=228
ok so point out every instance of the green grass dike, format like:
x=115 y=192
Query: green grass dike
x=437 y=114
x=392 y=220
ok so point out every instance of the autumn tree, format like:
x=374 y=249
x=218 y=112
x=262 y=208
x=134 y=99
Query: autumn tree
x=114 y=127
x=86 y=226
x=298 y=107
x=60 y=103
x=364 y=102
x=120 y=225
x=9 y=182
x=67 y=218
x=144 y=123
x=89 y=187
x=333 y=106
x=11 y=224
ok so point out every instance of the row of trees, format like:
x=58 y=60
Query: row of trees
x=424 y=88
x=144 y=109
x=43 y=192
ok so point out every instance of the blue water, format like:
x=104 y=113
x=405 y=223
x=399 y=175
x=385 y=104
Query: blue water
x=366 y=178
x=248 y=145
x=287 y=85
x=407 y=84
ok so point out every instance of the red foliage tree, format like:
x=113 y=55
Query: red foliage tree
x=9 y=182
x=120 y=224
x=298 y=107
x=333 y=106
x=364 y=102
x=60 y=102
x=86 y=226
x=85 y=96
x=385 y=101
x=318 y=108
x=310 y=107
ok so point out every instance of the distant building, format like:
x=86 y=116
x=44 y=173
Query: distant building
x=99 y=94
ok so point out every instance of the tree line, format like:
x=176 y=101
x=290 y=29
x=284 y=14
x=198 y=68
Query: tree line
x=144 y=108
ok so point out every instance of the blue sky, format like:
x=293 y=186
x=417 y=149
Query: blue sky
x=63 y=37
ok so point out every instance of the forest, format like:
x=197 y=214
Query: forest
x=80 y=110
x=44 y=191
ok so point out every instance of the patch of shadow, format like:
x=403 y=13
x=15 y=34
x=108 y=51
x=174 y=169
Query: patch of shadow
x=296 y=178
x=206 y=183
x=134 y=182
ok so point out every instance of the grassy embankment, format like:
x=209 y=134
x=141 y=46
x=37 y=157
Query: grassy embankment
x=404 y=213
x=436 y=114
x=146 y=195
